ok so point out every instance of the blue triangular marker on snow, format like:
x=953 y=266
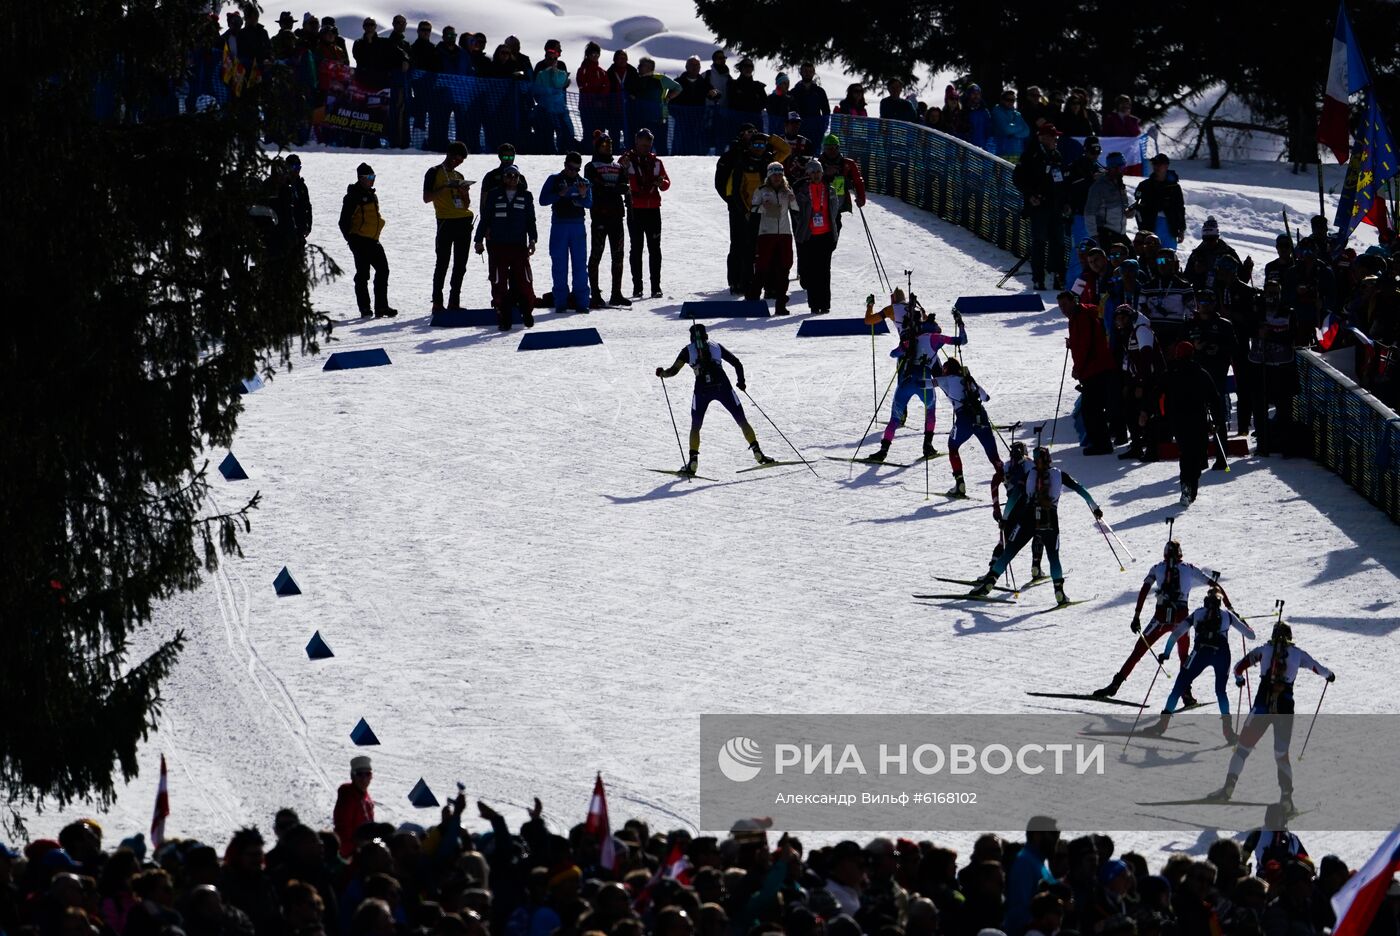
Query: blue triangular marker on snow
x=724 y=308
x=317 y=649
x=565 y=338
x=421 y=796
x=284 y=584
x=838 y=328
x=1019 y=302
x=231 y=469
x=363 y=734
x=470 y=318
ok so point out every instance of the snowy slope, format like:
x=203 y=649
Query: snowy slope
x=514 y=602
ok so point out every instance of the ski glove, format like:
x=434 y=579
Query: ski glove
x=1331 y=677
x=1098 y=513
x=1239 y=681
x=996 y=512
x=1136 y=625
x=661 y=372
x=740 y=384
x=1162 y=657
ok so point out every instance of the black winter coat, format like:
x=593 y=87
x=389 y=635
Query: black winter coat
x=1164 y=198
x=1040 y=174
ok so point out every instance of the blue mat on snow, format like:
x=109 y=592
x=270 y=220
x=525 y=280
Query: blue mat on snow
x=567 y=338
x=725 y=308
x=470 y=318
x=349 y=360
x=1021 y=302
x=838 y=328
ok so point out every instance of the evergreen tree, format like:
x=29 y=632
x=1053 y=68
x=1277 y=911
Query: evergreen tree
x=141 y=292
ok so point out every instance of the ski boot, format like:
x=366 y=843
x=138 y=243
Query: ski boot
x=759 y=457
x=1223 y=794
x=385 y=312
x=527 y=316
x=959 y=488
x=1160 y=728
x=1107 y=692
x=366 y=312
x=1227 y=728
x=656 y=292
x=1036 y=571
x=883 y=451
x=1188 y=700
x=454 y=301
x=618 y=299
x=928 y=445
x=1060 y=598
x=437 y=305
x=983 y=586
x=595 y=301
x=1285 y=801
x=636 y=290
x=691 y=467
x=1058 y=282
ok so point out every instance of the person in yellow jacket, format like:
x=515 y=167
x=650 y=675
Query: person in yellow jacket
x=738 y=174
x=361 y=224
x=450 y=195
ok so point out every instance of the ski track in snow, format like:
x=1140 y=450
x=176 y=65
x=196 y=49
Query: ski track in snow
x=515 y=603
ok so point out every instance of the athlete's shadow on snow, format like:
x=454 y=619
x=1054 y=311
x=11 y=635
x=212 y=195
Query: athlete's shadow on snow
x=934 y=508
x=984 y=623
x=1040 y=323
x=680 y=487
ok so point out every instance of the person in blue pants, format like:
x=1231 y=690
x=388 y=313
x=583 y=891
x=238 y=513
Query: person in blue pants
x=570 y=196
x=969 y=420
x=1210 y=649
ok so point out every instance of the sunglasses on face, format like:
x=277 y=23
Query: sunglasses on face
x=370 y=177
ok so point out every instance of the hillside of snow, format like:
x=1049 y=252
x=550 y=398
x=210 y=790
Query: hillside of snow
x=515 y=602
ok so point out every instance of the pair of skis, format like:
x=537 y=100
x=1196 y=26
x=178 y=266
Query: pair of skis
x=698 y=477
x=999 y=599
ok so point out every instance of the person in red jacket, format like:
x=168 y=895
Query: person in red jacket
x=594 y=87
x=646 y=179
x=1093 y=368
x=353 y=806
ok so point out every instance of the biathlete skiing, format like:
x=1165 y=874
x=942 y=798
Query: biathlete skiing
x=706 y=358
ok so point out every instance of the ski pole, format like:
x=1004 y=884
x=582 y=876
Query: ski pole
x=1314 y=720
x=1099 y=525
x=1063 y=368
x=875 y=416
x=1118 y=539
x=1221 y=442
x=874 y=380
x=1138 y=716
x=780 y=432
x=674 y=427
x=1239 y=696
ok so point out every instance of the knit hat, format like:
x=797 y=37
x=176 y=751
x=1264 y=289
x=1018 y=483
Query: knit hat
x=1211 y=228
x=775 y=168
x=831 y=139
x=1115 y=161
x=782 y=79
x=1111 y=870
x=364 y=169
x=359 y=763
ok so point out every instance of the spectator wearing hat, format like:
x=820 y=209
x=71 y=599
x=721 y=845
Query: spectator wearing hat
x=747 y=96
x=1168 y=299
x=778 y=104
x=1217 y=344
x=1309 y=289
x=505 y=156
x=894 y=106
x=976 y=124
x=719 y=76
x=1028 y=872
x=330 y=47
x=570 y=195
x=1040 y=177
x=1010 y=133
x=772 y=204
x=448 y=191
x=689 y=109
x=1201 y=264
x=798 y=145
x=606 y=217
x=738 y=174
x=1082 y=173
x=809 y=99
x=1112 y=898
x=1121 y=123
x=285 y=42
x=1106 y=205
x=361 y=224
x=655 y=91
x=1161 y=208
x=353 y=805
x=508 y=229
x=817 y=228
x=646 y=180
x=254 y=45
x=843 y=173
x=1093 y=369
x=623 y=81
x=555 y=128
x=593 y=90
x=853 y=104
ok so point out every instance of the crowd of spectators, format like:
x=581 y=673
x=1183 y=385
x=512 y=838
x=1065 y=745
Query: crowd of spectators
x=457 y=87
x=368 y=878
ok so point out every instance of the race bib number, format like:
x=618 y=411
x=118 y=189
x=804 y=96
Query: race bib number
x=818 y=220
x=1056 y=175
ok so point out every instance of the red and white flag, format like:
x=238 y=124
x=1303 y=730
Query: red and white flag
x=598 y=827
x=676 y=867
x=161 y=811
x=1346 y=75
x=1362 y=895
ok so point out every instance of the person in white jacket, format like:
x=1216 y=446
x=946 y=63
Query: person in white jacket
x=1107 y=205
x=771 y=218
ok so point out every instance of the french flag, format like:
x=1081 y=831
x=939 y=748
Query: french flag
x=598 y=827
x=1346 y=75
x=162 y=809
x=1362 y=895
